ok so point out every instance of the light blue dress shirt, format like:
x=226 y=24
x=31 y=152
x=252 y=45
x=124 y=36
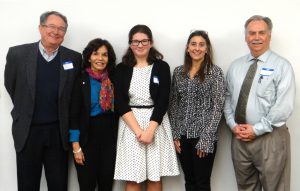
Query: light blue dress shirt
x=272 y=95
x=43 y=51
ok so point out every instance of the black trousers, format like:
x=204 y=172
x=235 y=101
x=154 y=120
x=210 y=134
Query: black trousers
x=197 y=171
x=100 y=155
x=43 y=148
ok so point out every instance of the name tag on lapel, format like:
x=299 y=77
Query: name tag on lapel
x=155 y=80
x=68 y=65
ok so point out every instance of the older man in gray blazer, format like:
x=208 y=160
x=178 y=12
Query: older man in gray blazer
x=39 y=79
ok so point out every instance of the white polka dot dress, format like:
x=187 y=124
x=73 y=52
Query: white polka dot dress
x=135 y=161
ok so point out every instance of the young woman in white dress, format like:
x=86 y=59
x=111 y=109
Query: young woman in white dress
x=145 y=150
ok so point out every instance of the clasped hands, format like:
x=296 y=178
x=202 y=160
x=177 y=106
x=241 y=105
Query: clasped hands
x=145 y=136
x=244 y=132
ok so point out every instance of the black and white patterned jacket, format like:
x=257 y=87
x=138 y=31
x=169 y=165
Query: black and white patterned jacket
x=195 y=108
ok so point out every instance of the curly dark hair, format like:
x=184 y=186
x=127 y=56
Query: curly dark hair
x=154 y=54
x=94 y=45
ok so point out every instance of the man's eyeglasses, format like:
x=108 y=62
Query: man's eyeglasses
x=54 y=28
x=144 y=42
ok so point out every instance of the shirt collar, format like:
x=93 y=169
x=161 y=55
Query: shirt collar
x=44 y=52
x=261 y=58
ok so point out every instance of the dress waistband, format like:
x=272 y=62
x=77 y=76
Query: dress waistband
x=141 y=106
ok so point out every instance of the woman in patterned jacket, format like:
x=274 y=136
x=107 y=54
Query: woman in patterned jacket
x=195 y=110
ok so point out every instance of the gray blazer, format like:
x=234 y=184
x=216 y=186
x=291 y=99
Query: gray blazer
x=20 y=81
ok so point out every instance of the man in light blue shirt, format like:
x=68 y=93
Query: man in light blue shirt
x=261 y=143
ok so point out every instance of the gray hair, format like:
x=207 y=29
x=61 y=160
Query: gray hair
x=267 y=20
x=44 y=17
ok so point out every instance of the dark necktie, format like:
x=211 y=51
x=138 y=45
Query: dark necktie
x=240 y=111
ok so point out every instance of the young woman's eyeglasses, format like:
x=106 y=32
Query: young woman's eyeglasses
x=144 y=42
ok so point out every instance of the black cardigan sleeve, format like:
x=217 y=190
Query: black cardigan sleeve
x=160 y=91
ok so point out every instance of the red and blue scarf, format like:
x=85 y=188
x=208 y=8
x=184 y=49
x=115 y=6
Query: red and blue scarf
x=106 y=96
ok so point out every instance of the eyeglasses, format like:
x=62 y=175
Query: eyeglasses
x=144 y=42
x=56 y=28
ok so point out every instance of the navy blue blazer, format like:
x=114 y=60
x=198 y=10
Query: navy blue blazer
x=81 y=107
x=159 y=90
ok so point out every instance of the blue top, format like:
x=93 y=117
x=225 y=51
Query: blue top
x=95 y=91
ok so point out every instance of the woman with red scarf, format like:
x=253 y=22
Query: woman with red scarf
x=93 y=124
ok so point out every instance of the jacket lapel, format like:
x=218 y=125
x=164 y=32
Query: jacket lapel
x=86 y=91
x=63 y=76
x=31 y=67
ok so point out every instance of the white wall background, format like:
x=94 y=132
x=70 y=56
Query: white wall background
x=171 y=22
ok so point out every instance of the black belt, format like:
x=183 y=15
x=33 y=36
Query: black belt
x=282 y=126
x=141 y=106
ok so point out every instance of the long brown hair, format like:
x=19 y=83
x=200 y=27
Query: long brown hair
x=208 y=58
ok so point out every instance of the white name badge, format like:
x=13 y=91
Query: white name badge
x=155 y=80
x=68 y=65
x=266 y=71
